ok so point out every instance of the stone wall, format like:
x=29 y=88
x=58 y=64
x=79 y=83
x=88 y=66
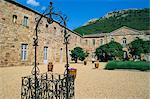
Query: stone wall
x=14 y=34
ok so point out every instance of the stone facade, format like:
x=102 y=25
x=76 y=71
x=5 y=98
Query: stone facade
x=123 y=35
x=17 y=30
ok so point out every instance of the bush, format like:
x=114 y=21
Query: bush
x=138 y=65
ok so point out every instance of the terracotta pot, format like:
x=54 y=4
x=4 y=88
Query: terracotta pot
x=85 y=62
x=96 y=64
x=50 y=66
x=73 y=72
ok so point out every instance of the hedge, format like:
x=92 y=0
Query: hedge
x=138 y=65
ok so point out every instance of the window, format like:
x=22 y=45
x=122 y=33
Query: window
x=101 y=41
x=76 y=38
x=46 y=25
x=23 y=52
x=80 y=40
x=54 y=28
x=86 y=42
x=14 y=18
x=25 y=21
x=45 y=53
x=112 y=39
x=93 y=41
x=124 y=41
x=137 y=38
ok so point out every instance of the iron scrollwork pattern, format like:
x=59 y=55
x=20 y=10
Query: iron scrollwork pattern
x=50 y=86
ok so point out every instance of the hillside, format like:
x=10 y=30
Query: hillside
x=134 y=18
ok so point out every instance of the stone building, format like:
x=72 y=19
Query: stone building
x=123 y=35
x=17 y=30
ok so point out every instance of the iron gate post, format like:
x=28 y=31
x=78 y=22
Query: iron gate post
x=35 y=70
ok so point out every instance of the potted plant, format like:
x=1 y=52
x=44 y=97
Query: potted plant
x=85 y=62
x=50 y=66
x=72 y=72
x=96 y=64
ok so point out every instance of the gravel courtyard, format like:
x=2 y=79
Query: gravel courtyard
x=90 y=83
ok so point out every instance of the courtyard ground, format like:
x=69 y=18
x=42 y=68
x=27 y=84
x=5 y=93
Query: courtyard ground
x=90 y=83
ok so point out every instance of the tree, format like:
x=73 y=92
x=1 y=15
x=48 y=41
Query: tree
x=78 y=54
x=139 y=46
x=110 y=50
x=136 y=47
x=146 y=46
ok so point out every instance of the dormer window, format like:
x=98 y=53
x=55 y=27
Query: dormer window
x=14 y=18
x=25 y=21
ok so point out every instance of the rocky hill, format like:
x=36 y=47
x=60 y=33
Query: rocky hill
x=134 y=18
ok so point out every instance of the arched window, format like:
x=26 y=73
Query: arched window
x=124 y=42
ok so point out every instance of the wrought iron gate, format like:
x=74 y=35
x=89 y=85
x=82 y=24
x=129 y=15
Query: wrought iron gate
x=49 y=86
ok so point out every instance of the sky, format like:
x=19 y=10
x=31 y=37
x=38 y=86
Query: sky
x=81 y=11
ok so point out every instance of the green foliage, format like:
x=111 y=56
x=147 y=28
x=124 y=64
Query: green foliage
x=137 y=19
x=112 y=49
x=146 y=46
x=139 y=46
x=138 y=65
x=78 y=53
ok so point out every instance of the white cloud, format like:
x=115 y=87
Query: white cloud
x=43 y=8
x=33 y=2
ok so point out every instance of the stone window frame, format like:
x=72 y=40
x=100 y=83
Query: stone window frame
x=124 y=40
x=24 y=52
x=93 y=41
x=112 y=39
x=45 y=54
x=25 y=21
x=55 y=28
x=137 y=37
x=101 y=41
x=80 y=40
x=86 y=42
x=46 y=25
x=14 y=20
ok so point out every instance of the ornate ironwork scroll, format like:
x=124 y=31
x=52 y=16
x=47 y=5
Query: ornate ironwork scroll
x=49 y=86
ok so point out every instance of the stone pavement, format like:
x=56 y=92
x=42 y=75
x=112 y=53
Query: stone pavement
x=90 y=83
